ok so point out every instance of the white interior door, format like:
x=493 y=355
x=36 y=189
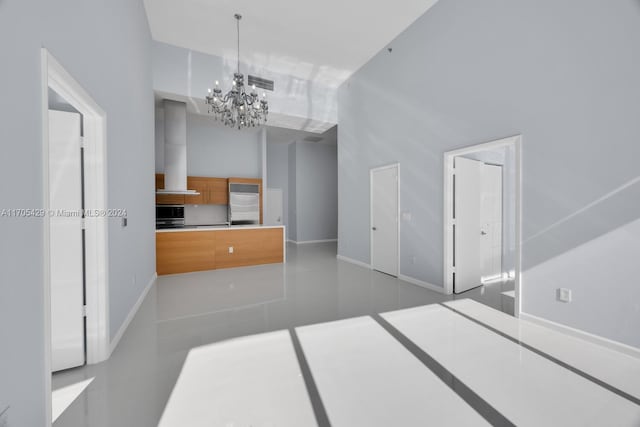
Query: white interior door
x=491 y=231
x=274 y=207
x=384 y=219
x=467 y=215
x=65 y=240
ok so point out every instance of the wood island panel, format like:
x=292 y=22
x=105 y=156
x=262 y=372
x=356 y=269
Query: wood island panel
x=182 y=252
x=250 y=247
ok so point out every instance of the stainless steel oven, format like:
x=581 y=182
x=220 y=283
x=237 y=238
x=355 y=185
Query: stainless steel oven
x=169 y=216
x=244 y=203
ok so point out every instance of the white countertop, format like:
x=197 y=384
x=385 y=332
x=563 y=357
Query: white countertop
x=217 y=227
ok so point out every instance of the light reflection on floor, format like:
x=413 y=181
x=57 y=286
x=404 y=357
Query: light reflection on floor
x=190 y=310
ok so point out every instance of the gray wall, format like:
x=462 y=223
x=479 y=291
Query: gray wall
x=308 y=176
x=214 y=150
x=292 y=217
x=106 y=47
x=316 y=191
x=563 y=74
x=278 y=174
x=594 y=271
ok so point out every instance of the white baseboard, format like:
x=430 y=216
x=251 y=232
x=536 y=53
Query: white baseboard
x=131 y=315
x=316 y=241
x=421 y=283
x=304 y=242
x=353 y=261
x=509 y=294
x=400 y=276
x=595 y=339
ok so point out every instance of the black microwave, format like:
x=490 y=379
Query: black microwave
x=169 y=216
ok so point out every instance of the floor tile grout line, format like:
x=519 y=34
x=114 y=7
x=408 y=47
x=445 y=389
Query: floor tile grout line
x=551 y=358
x=481 y=406
x=314 y=395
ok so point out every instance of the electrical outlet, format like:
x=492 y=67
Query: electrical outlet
x=230 y=249
x=406 y=216
x=563 y=295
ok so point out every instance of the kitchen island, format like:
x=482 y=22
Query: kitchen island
x=200 y=248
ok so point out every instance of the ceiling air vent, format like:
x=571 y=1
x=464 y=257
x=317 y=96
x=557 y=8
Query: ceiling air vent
x=261 y=83
x=313 y=138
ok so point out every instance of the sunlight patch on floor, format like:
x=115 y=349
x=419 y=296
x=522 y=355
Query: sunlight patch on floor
x=63 y=397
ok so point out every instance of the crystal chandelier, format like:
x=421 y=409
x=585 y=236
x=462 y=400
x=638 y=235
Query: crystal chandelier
x=238 y=108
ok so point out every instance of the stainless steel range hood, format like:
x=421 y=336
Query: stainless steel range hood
x=175 y=149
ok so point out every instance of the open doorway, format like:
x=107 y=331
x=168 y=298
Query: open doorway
x=79 y=128
x=482 y=218
x=66 y=236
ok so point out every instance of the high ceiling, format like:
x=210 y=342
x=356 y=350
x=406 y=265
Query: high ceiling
x=325 y=41
x=283 y=135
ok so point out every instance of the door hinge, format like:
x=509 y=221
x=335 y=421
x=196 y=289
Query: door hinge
x=82 y=142
x=84 y=311
x=83 y=223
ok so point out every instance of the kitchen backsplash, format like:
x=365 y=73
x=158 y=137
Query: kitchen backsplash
x=205 y=214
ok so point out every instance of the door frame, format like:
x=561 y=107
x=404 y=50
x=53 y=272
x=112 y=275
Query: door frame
x=395 y=165
x=512 y=141
x=54 y=76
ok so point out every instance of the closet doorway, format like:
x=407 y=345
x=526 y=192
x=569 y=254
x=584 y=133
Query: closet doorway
x=482 y=211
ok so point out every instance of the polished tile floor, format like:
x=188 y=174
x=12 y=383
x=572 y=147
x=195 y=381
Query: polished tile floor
x=190 y=310
x=460 y=363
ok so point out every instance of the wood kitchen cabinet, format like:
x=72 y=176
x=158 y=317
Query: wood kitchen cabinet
x=166 y=199
x=183 y=252
x=218 y=191
x=213 y=191
x=169 y=199
x=198 y=250
x=159 y=181
x=201 y=185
